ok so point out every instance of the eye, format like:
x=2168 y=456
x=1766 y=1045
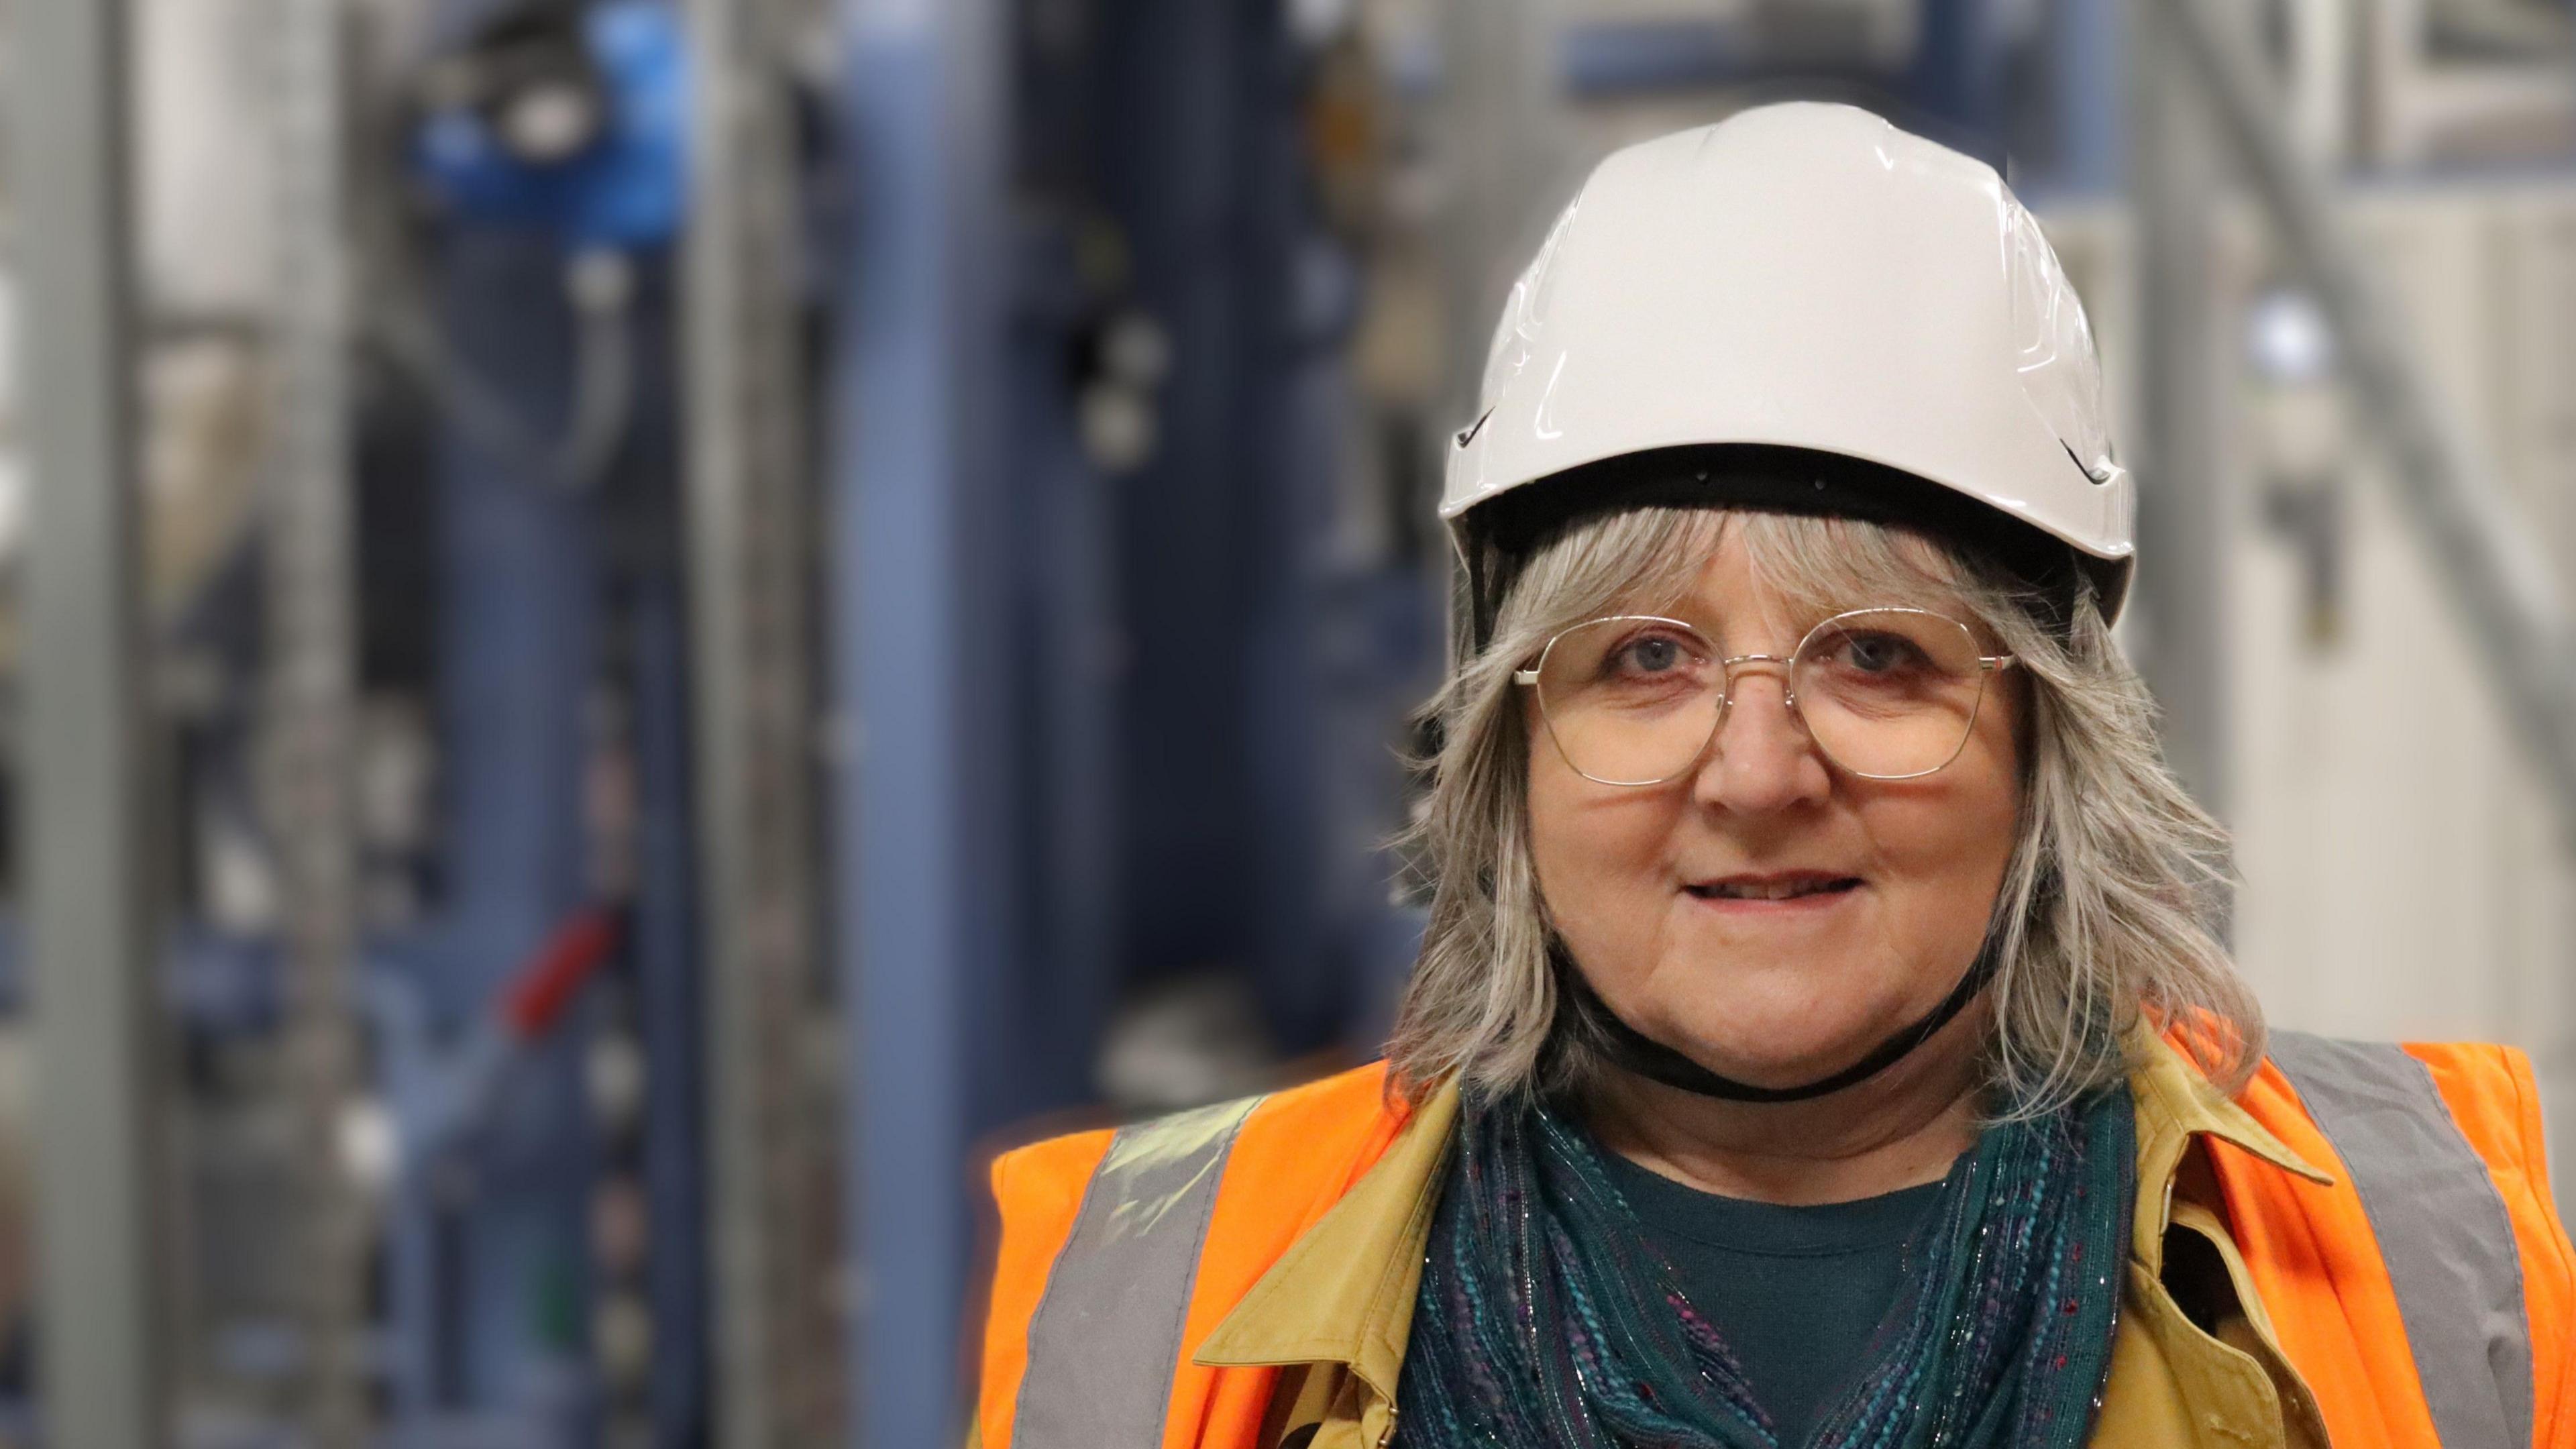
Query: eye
x=1871 y=652
x=1651 y=655
x=1654 y=654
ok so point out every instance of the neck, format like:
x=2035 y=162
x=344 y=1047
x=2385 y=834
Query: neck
x=1900 y=1129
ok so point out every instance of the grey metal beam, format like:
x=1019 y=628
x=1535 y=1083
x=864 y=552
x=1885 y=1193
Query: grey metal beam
x=2182 y=603
x=92 y=904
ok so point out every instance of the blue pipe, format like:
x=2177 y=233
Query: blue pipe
x=918 y=667
x=2089 y=89
x=507 y=1325
x=672 y=1026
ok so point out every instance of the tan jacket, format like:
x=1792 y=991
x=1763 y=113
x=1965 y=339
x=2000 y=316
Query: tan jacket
x=1338 y=1308
x=1243 y=1276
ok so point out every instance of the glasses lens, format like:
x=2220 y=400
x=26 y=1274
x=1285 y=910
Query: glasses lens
x=1889 y=692
x=1631 y=701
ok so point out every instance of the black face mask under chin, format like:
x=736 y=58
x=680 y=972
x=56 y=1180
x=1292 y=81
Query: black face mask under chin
x=1635 y=1051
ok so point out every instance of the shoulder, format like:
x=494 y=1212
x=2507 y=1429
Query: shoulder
x=2413 y=1098
x=1301 y=1124
x=1142 y=1238
x=2441 y=1211
x=2442 y=1146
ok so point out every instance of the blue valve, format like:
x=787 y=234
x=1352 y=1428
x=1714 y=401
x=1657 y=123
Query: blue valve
x=598 y=158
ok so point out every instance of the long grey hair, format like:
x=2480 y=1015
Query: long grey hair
x=2106 y=910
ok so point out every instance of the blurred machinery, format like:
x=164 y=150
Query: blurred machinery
x=594 y=481
x=2363 y=654
x=732 y=600
x=2402 y=875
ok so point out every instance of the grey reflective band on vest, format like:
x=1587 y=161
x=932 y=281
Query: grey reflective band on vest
x=2442 y=1229
x=1106 y=1336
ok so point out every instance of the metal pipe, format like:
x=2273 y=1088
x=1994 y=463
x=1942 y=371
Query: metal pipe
x=93 y=906
x=308 y=749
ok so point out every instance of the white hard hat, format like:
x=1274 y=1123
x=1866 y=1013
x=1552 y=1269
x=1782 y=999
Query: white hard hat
x=1806 y=277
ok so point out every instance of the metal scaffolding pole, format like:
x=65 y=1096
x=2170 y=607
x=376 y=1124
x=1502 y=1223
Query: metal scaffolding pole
x=92 y=905
x=2182 y=603
x=308 y=752
x=751 y=719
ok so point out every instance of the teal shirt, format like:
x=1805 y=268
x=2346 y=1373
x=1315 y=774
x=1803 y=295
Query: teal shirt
x=1796 y=1292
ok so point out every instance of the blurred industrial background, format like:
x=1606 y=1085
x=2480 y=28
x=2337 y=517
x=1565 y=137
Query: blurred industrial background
x=636 y=629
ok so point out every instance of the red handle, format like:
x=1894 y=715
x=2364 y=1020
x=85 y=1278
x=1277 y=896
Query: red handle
x=537 y=997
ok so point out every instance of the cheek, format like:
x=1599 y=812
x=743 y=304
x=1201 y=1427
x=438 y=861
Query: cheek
x=1948 y=848
x=1595 y=852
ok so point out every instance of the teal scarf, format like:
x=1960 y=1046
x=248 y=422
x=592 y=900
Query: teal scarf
x=1547 y=1320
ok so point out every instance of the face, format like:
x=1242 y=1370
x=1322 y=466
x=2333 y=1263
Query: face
x=1658 y=890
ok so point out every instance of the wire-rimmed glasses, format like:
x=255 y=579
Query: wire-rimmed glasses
x=1886 y=694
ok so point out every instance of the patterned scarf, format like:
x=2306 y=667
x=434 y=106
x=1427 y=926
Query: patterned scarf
x=1548 y=1320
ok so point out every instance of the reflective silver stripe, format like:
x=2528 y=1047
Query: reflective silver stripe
x=1106 y=1336
x=2441 y=1226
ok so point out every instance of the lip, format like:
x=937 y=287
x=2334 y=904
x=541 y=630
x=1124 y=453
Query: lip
x=1819 y=891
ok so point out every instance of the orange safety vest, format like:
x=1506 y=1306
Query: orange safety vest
x=2427 y=1296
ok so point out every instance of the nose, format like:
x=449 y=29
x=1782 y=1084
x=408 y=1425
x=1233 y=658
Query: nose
x=1762 y=760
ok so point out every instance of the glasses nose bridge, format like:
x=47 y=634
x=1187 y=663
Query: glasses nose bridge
x=1732 y=666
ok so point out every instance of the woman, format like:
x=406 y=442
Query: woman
x=1818 y=1038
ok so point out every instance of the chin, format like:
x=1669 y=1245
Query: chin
x=1771 y=1049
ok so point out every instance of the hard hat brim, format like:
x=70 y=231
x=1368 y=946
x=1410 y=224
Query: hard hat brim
x=1502 y=533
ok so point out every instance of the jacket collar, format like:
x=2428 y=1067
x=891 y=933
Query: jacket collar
x=2176 y=1104
x=1343 y=1293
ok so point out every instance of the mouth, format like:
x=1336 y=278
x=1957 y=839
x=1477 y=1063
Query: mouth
x=1815 y=886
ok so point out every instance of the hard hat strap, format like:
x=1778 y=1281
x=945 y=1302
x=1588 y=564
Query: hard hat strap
x=1651 y=1059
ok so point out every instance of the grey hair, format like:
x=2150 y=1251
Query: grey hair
x=2108 y=904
